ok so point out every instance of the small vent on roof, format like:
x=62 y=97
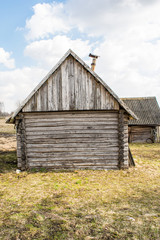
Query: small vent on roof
x=94 y=58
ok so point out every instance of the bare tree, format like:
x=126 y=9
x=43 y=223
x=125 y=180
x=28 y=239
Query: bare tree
x=2 y=108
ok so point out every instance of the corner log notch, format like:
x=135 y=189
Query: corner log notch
x=21 y=142
x=123 y=140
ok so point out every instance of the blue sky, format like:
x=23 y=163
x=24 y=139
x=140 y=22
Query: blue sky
x=13 y=15
x=35 y=34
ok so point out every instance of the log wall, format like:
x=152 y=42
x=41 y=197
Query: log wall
x=74 y=140
x=141 y=134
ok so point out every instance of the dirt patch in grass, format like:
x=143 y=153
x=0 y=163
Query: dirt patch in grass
x=7 y=136
x=6 y=128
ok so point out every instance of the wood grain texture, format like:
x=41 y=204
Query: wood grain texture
x=76 y=140
x=71 y=87
x=123 y=140
x=141 y=134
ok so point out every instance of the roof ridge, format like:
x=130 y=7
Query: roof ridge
x=137 y=98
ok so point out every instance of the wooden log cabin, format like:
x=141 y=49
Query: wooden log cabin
x=72 y=120
x=146 y=128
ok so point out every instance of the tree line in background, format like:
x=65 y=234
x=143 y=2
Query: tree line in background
x=2 y=110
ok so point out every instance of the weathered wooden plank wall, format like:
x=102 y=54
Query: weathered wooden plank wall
x=141 y=134
x=72 y=140
x=71 y=87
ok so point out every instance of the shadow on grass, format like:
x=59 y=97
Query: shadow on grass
x=8 y=161
x=53 y=218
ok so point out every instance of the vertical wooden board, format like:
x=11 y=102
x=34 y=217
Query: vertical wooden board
x=107 y=104
x=79 y=81
x=76 y=84
x=93 y=95
x=103 y=97
x=44 y=97
x=38 y=101
x=28 y=106
x=50 y=95
x=35 y=101
x=113 y=103
x=65 y=85
x=58 y=89
x=71 y=85
x=54 y=92
x=116 y=104
x=87 y=91
x=90 y=93
x=32 y=105
x=83 y=92
x=98 y=96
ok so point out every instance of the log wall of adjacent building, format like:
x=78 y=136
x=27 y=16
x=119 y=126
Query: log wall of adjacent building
x=74 y=140
x=141 y=134
x=71 y=87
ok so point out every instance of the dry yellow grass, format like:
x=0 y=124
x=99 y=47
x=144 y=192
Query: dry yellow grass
x=82 y=204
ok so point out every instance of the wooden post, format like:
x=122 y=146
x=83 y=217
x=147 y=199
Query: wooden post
x=123 y=140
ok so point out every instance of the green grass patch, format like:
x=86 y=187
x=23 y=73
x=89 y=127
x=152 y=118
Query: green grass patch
x=8 y=161
x=83 y=204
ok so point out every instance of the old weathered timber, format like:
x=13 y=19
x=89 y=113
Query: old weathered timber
x=72 y=139
x=72 y=120
x=71 y=88
x=123 y=140
x=145 y=128
x=21 y=142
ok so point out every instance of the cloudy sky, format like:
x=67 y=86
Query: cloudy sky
x=35 y=34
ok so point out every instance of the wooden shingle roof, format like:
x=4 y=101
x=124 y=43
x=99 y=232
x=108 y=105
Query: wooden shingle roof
x=146 y=109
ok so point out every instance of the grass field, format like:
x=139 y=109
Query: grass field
x=82 y=205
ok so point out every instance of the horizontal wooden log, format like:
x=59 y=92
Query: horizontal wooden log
x=74 y=149
x=64 y=132
x=70 y=128
x=73 y=140
x=75 y=160
x=69 y=114
x=72 y=135
x=67 y=155
x=73 y=165
x=75 y=168
x=72 y=145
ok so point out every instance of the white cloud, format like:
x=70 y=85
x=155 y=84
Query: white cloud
x=129 y=48
x=110 y=18
x=48 y=52
x=130 y=69
x=17 y=84
x=47 y=19
x=6 y=60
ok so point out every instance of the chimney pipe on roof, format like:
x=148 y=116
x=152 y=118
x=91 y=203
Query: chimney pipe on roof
x=94 y=58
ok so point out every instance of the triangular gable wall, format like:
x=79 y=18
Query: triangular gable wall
x=47 y=100
x=71 y=87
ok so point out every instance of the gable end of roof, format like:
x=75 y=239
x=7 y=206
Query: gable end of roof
x=68 y=53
